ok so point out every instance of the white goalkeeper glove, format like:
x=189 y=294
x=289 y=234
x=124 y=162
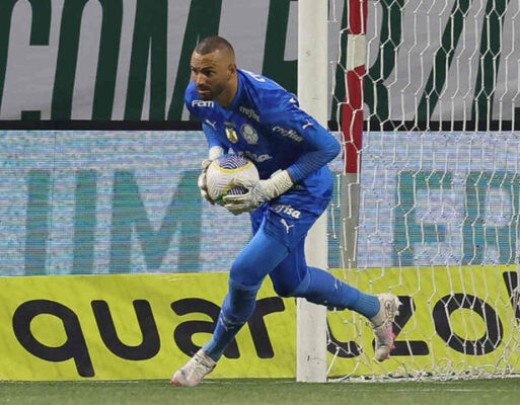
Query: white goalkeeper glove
x=202 y=183
x=214 y=153
x=259 y=191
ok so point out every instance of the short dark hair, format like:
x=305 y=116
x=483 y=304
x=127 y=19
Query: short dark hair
x=211 y=44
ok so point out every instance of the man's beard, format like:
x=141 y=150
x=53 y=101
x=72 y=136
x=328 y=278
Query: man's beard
x=207 y=95
x=210 y=93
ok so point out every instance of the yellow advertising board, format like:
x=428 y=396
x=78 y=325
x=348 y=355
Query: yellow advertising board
x=132 y=327
x=452 y=319
x=144 y=326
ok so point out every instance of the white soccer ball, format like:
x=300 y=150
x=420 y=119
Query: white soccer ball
x=223 y=173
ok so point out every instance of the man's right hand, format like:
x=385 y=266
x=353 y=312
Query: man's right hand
x=201 y=181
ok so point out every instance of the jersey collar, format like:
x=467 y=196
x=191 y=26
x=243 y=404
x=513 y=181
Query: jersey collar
x=238 y=95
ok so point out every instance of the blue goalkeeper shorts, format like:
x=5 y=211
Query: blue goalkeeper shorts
x=280 y=227
x=289 y=217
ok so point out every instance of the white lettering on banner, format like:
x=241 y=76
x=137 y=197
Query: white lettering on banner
x=37 y=81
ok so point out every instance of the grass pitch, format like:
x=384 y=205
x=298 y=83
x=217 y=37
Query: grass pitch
x=246 y=392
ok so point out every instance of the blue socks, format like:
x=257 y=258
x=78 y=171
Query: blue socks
x=318 y=286
x=321 y=287
x=237 y=308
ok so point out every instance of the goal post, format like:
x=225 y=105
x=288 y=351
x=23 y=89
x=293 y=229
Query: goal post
x=311 y=338
x=351 y=123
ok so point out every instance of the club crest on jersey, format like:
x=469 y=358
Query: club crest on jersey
x=249 y=134
x=231 y=135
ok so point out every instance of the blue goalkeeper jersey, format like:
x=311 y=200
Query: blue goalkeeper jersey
x=264 y=123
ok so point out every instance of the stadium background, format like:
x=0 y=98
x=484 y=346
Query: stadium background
x=101 y=214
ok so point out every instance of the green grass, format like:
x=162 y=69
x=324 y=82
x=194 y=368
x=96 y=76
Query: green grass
x=488 y=392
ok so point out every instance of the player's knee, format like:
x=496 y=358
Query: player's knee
x=240 y=302
x=291 y=288
x=242 y=274
x=283 y=290
x=241 y=279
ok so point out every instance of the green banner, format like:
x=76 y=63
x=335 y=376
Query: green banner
x=111 y=60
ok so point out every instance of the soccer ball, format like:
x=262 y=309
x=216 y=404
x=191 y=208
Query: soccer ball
x=223 y=173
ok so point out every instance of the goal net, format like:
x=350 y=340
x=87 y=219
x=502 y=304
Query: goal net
x=426 y=99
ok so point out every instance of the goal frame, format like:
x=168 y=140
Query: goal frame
x=311 y=364
x=311 y=319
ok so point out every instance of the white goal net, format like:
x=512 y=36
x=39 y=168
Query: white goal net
x=426 y=96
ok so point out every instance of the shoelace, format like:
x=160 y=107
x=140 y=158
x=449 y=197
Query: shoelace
x=387 y=319
x=201 y=367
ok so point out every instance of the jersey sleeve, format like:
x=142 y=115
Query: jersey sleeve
x=196 y=107
x=319 y=145
x=211 y=135
x=190 y=100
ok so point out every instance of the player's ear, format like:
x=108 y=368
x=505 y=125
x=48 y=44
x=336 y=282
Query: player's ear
x=232 y=69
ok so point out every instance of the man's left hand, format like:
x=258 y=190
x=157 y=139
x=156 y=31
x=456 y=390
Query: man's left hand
x=256 y=195
x=259 y=191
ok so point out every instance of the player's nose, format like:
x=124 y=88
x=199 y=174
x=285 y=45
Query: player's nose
x=199 y=80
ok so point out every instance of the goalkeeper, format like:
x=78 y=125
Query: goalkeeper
x=246 y=113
